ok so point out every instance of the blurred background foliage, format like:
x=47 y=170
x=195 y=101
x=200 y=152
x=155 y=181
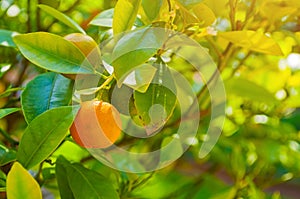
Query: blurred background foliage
x=254 y=43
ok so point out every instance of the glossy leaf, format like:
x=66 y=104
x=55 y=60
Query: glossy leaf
x=20 y=184
x=39 y=141
x=93 y=184
x=61 y=17
x=247 y=89
x=6 y=155
x=104 y=19
x=6 y=38
x=7 y=111
x=156 y=105
x=152 y=8
x=53 y=53
x=253 y=40
x=134 y=49
x=46 y=91
x=124 y=15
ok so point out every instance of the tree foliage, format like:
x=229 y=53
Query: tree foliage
x=254 y=45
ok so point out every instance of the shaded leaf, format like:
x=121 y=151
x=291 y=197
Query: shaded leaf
x=94 y=184
x=52 y=52
x=44 y=134
x=253 y=40
x=20 y=184
x=125 y=15
x=61 y=17
x=6 y=111
x=6 y=155
x=46 y=91
x=62 y=178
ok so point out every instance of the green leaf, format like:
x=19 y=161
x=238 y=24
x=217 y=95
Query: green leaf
x=156 y=105
x=6 y=38
x=104 y=19
x=6 y=155
x=46 y=91
x=152 y=8
x=94 y=184
x=61 y=17
x=124 y=15
x=52 y=3
x=134 y=49
x=44 y=134
x=140 y=78
x=52 y=52
x=6 y=111
x=247 y=89
x=20 y=184
x=2 y=180
x=9 y=91
x=254 y=41
x=62 y=178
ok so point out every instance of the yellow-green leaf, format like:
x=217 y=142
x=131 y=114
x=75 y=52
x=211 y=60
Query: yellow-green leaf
x=275 y=11
x=125 y=15
x=254 y=41
x=20 y=184
x=204 y=14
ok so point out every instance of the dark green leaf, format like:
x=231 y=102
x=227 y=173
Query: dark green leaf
x=2 y=179
x=45 y=92
x=62 y=17
x=44 y=134
x=6 y=155
x=52 y=52
x=6 y=111
x=93 y=184
x=62 y=178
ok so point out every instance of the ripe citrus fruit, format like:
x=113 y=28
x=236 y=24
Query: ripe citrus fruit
x=87 y=46
x=96 y=125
